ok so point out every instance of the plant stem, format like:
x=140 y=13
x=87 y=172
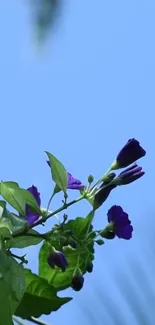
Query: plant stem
x=37 y=321
x=63 y=207
x=100 y=180
x=25 y=233
x=20 y=258
x=44 y=219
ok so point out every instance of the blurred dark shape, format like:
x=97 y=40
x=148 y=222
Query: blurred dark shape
x=104 y=191
x=77 y=282
x=45 y=15
x=89 y=267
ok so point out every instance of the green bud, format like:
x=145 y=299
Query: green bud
x=99 y=242
x=65 y=217
x=90 y=179
x=107 y=234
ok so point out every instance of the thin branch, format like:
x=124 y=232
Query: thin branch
x=63 y=207
x=20 y=258
x=44 y=219
x=37 y=321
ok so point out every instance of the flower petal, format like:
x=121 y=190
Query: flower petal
x=73 y=183
x=31 y=218
x=121 y=223
x=124 y=232
x=34 y=191
x=30 y=214
x=131 y=152
x=114 y=212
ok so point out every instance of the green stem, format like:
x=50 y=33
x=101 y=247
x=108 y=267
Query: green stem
x=28 y=234
x=63 y=207
x=36 y=321
x=20 y=258
x=100 y=180
x=50 y=200
x=16 y=256
x=44 y=219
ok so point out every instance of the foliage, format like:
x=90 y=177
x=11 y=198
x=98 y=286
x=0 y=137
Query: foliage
x=67 y=250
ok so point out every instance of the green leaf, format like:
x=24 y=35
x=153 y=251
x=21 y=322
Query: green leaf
x=12 y=287
x=57 y=189
x=4 y=232
x=24 y=241
x=29 y=199
x=10 y=184
x=61 y=280
x=12 y=221
x=39 y=298
x=13 y=196
x=2 y=208
x=58 y=171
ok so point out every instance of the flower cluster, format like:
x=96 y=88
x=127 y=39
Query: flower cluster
x=119 y=223
x=131 y=152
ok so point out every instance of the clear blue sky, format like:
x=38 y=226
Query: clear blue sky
x=82 y=97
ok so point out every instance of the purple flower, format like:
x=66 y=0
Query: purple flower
x=122 y=224
x=131 y=152
x=77 y=282
x=130 y=175
x=58 y=259
x=30 y=214
x=73 y=183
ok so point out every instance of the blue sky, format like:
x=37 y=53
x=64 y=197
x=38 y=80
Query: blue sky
x=81 y=97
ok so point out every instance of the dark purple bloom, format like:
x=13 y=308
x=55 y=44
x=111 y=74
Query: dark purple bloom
x=73 y=183
x=58 y=259
x=104 y=191
x=130 y=175
x=131 y=152
x=30 y=214
x=122 y=224
x=77 y=282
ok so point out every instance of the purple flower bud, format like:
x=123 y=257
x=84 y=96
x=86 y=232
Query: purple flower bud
x=122 y=224
x=129 y=175
x=131 y=152
x=77 y=282
x=58 y=259
x=73 y=183
x=102 y=194
x=30 y=215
